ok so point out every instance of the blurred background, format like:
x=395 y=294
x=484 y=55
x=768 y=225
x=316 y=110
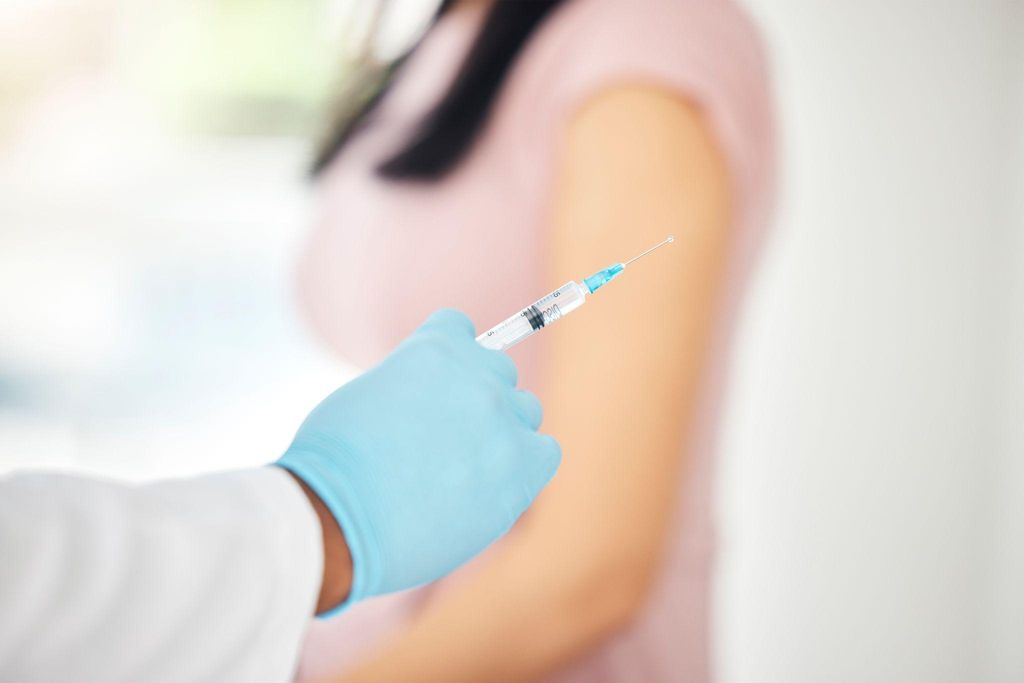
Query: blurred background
x=153 y=198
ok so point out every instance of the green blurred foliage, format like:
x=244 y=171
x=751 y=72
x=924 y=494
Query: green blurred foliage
x=241 y=67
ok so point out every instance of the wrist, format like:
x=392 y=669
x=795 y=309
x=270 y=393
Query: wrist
x=336 y=583
x=331 y=478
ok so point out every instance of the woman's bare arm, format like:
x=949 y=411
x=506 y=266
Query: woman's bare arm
x=637 y=163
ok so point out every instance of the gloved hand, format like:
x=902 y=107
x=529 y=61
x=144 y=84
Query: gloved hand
x=427 y=458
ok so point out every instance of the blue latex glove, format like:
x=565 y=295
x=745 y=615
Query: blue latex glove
x=426 y=459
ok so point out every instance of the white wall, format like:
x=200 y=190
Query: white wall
x=1006 y=599
x=868 y=429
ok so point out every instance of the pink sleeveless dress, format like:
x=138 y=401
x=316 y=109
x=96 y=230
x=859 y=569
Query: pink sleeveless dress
x=383 y=255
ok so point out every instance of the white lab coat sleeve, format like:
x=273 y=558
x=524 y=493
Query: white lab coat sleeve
x=207 y=579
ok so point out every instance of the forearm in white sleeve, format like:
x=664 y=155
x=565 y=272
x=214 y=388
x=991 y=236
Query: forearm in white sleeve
x=205 y=579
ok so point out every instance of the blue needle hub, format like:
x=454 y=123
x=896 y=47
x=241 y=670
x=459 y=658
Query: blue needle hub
x=602 y=277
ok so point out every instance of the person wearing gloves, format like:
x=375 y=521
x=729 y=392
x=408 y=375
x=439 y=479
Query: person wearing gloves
x=394 y=480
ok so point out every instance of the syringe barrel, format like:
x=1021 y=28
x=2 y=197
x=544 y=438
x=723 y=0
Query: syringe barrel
x=533 y=318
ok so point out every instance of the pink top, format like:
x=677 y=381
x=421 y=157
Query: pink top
x=385 y=254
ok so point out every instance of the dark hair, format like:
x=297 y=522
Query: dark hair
x=447 y=132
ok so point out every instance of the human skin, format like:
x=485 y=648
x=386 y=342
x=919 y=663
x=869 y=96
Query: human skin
x=336 y=581
x=636 y=163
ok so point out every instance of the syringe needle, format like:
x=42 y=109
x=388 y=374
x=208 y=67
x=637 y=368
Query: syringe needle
x=668 y=240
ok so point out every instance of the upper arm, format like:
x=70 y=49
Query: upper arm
x=637 y=163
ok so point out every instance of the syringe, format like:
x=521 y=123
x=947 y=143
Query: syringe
x=555 y=305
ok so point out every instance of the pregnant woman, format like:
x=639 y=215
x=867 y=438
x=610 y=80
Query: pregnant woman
x=520 y=145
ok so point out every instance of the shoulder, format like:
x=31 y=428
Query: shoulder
x=675 y=35
x=706 y=52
